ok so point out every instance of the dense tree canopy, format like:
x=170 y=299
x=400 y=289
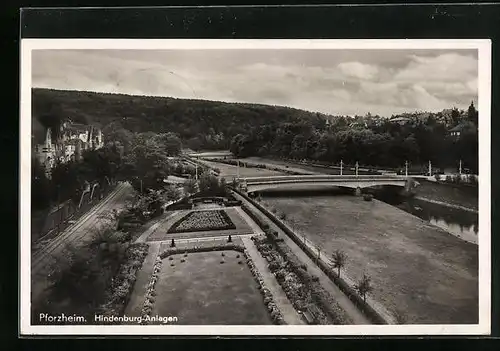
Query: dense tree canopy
x=369 y=140
x=199 y=124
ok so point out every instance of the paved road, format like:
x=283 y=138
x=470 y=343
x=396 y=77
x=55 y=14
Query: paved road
x=77 y=234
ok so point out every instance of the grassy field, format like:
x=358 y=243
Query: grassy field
x=229 y=171
x=203 y=291
x=417 y=269
x=324 y=170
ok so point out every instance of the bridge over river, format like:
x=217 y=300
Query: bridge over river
x=256 y=184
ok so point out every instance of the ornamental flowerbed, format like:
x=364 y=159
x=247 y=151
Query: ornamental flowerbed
x=123 y=283
x=271 y=305
x=198 y=221
x=150 y=292
x=302 y=289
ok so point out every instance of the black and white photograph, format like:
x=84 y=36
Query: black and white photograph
x=334 y=187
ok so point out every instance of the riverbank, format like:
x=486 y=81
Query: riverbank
x=459 y=197
x=415 y=267
x=446 y=204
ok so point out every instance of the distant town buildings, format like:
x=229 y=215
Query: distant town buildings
x=66 y=144
x=457 y=130
x=400 y=120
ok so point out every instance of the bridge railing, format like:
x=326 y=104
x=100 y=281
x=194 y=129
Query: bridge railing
x=254 y=180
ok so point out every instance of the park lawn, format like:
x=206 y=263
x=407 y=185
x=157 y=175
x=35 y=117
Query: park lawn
x=417 y=269
x=202 y=291
x=230 y=171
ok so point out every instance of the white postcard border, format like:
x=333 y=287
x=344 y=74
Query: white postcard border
x=484 y=240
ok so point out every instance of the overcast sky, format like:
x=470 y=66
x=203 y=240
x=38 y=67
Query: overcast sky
x=329 y=81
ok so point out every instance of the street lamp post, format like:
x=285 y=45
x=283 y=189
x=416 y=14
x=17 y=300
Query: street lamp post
x=341 y=164
x=430 y=168
x=357 y=165
x=406 y=168
x=460 y=168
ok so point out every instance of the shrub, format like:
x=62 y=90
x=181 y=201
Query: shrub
x=240 y=262
x=280 y=275
x=339 y=260
x=364 y=286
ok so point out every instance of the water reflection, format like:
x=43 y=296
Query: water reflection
x=461 y=223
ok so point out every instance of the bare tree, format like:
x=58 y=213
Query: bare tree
x=339 y=260
x=364 y=286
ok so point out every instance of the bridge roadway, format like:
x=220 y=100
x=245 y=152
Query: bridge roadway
x=254 y=184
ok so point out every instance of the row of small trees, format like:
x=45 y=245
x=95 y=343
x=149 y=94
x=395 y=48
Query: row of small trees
x=339 y=261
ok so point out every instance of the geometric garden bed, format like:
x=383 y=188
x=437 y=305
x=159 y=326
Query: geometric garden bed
x=212 y=284
x=198 y=221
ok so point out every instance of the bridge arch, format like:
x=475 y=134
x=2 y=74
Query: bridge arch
x=251 y=188
x=260 y=184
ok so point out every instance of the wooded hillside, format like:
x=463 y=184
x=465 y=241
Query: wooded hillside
x=199 y=123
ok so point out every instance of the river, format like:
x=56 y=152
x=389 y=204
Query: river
x=460 y=223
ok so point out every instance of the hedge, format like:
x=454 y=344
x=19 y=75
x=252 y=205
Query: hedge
x=273 y=235
x=373 y=315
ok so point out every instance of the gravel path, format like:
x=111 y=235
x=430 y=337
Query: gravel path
x=285 y=306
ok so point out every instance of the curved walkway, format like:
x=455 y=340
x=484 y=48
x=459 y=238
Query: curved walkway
x=290 y=315
x=134 y=306
x=352 y=311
